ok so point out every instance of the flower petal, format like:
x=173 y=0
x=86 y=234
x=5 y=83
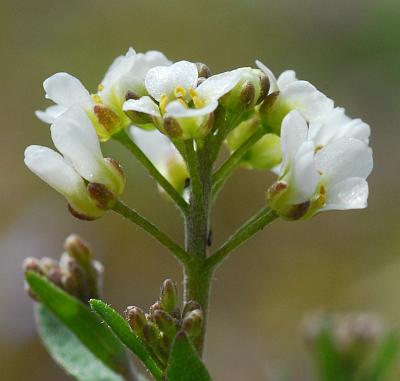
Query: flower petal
x=52 y=168
x=286 y=78
x=304 y=176
x=344 y=158
x=155 y=145
x=303 y=96
x=272 y=79
x=177 y=110
x=351 y=193
x=128 y=72
x=66 y=90
x=50 y=114
x=75 y=137
x=218 y=85
x=144 y=104
x=335 y=125
x=162 y=80
x=293 y=134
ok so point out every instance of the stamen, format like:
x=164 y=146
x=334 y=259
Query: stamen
x=183 y=103
x=163 y=102
x=100 y=87
x=96 y=98
x=180 y=92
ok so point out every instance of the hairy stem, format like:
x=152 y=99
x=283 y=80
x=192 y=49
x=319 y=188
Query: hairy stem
x=251 y=227
x=197 y=230
x=156 y=233
x=132 y=147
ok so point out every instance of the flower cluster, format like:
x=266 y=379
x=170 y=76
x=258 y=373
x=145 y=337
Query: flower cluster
x=321 y=156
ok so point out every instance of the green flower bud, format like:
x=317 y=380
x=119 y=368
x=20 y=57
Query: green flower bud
x=190 y=306
x=136 y=319
x=168 y=296
x=192 y=323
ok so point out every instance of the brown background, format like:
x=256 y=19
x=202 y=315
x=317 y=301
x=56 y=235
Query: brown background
x=338 y=261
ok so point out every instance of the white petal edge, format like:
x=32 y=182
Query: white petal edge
x=50 y=114
x=162 y=80
x=272 y=79
x=351 y=193
x=344 y=158
x=294 y=132
x=144 y=104
x=218 y=85
x=51 y=167
x=177 y=110
x=66 y=90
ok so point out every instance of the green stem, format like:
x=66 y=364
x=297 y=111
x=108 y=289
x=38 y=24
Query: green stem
x=251 y=227
x=127 y=142
x=197 y=279
x=156 y=233
x=224 y=172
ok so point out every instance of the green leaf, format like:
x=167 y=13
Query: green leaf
x=83 y=323
x=184 y=363
x=123 y=331
x=384 y=359
x=68 y=351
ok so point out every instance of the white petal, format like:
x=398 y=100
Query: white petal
x=344 y=158
x=66 y=90
x=128 y=73
x=286 y=78
x=50 y=114
x=272 y=79
x=351 y=193
x=162 y=80
x=303 y=96
x=144 y=104
x=218 y=85
x=294 y=132
x=51 y=167
x=155 y=145
x=75 y=137
x=336 y=125
x=177 y=110
x=304 y=176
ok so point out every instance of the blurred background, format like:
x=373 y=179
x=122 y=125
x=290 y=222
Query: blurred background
x=338 y=261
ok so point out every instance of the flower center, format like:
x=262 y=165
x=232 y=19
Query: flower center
x=187 y=98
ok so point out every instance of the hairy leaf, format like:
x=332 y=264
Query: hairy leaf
x=83 y=323
x=123 y=331
x=184 y=363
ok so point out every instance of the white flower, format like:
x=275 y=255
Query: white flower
x=163 y=154
x=314 y=178
x=288 y=93
x=126 y=74
x=178 y=96
x=75 y=138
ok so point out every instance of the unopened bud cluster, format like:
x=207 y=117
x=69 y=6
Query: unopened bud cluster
x=164 y=320
x=77 y=273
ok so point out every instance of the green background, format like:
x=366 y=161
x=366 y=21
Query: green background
x=339 y=261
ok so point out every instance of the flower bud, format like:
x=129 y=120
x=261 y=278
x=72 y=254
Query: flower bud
x=264 y=154
x=168 y=296
x=136 y=319
x=252 y=88
x=203 y=70
x=193 y=323
x=165 y=323
x=190 y=306
x=32 y=264
x=272 y=111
